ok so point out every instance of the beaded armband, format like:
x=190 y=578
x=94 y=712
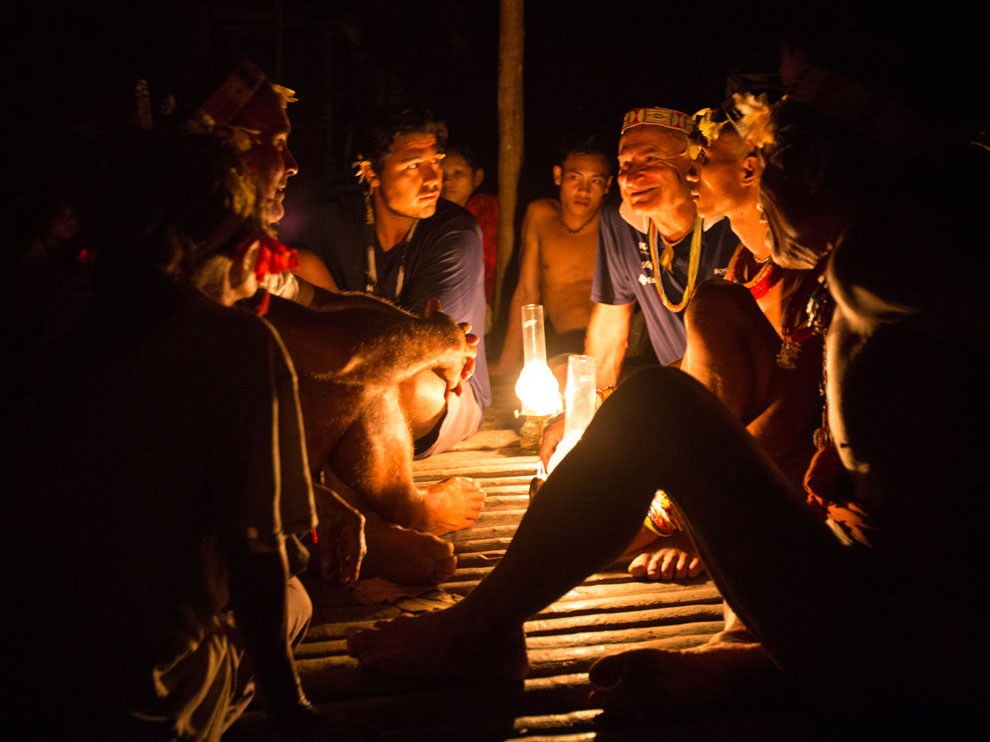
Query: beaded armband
x=604 y=393
x=662 y=517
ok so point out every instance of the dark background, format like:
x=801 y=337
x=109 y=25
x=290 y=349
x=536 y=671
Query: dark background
x=72 y=65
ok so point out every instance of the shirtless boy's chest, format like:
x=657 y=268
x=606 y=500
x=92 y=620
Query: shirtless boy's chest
x=568 y=260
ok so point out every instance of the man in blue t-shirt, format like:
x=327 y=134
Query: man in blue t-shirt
x=405 y=244
x=653 y=249
x=401 y=250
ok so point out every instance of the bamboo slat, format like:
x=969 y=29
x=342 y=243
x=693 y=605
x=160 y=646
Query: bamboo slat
x=608 y=613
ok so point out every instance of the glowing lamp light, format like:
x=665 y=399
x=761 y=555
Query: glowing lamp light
x=536 y=387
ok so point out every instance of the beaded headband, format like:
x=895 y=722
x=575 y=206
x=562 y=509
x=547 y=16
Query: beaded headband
x=657 y=117
x=230 y=98
x=862 y=110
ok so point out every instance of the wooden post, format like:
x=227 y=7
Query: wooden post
x=510 y=130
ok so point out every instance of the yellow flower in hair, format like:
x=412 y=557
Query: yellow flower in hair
x=755 y=122
x=358 y=166
x=707 y=125
x=285 y=95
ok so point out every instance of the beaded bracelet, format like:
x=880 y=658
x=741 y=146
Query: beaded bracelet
x=604 y=393
x=662 y=517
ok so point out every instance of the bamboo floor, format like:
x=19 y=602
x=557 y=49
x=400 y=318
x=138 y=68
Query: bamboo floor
x=608 y=613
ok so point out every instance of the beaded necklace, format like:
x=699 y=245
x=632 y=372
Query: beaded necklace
x=768 y=276
x=808 y=313
x=575 y=231
x=694 y=260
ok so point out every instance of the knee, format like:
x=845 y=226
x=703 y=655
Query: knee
x=422 y=395
x=717 y=305
x=655 y=394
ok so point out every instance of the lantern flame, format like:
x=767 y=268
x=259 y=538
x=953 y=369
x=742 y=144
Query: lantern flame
x=538 y=391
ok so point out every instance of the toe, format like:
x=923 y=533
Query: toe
x=638 y=566
x=667 y=568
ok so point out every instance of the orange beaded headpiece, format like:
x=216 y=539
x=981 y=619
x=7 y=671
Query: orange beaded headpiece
x=657 y=117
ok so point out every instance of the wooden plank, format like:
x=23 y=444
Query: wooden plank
x=608 y=613
x=665 y=616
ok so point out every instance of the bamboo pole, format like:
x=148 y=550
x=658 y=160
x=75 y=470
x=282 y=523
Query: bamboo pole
x=510 y=129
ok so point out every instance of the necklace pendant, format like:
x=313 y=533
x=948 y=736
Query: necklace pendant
x=788 y=354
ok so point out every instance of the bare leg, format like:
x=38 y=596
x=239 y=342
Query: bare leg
x=374 y=458
x=393 y=552
x=422 y=400
x=732 y=350
x=759 y=540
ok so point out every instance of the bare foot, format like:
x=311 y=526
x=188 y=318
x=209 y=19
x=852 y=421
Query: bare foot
x=406 y=556
x=453 y=504
x=440 y=645
x=340 y=547
x=670 y=558
x=716 y=677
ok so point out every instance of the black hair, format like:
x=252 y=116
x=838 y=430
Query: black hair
x=167 y=208
x=467 y=153
x=377 y=140
x=585 y=145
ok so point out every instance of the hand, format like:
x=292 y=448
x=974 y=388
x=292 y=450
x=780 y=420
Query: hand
x=470 y=355
x=341 y=546
x=456 y=374
x=552 y=436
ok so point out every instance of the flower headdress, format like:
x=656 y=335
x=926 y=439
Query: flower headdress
x=216 y=114
x=215 y=117
x=749 y=116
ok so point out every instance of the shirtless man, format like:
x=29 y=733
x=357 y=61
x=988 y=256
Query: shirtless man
x=557 y=258
x=843 y=609
x=735 y=332
x=333 y=349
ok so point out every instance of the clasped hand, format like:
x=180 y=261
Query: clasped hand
x=462 y=368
